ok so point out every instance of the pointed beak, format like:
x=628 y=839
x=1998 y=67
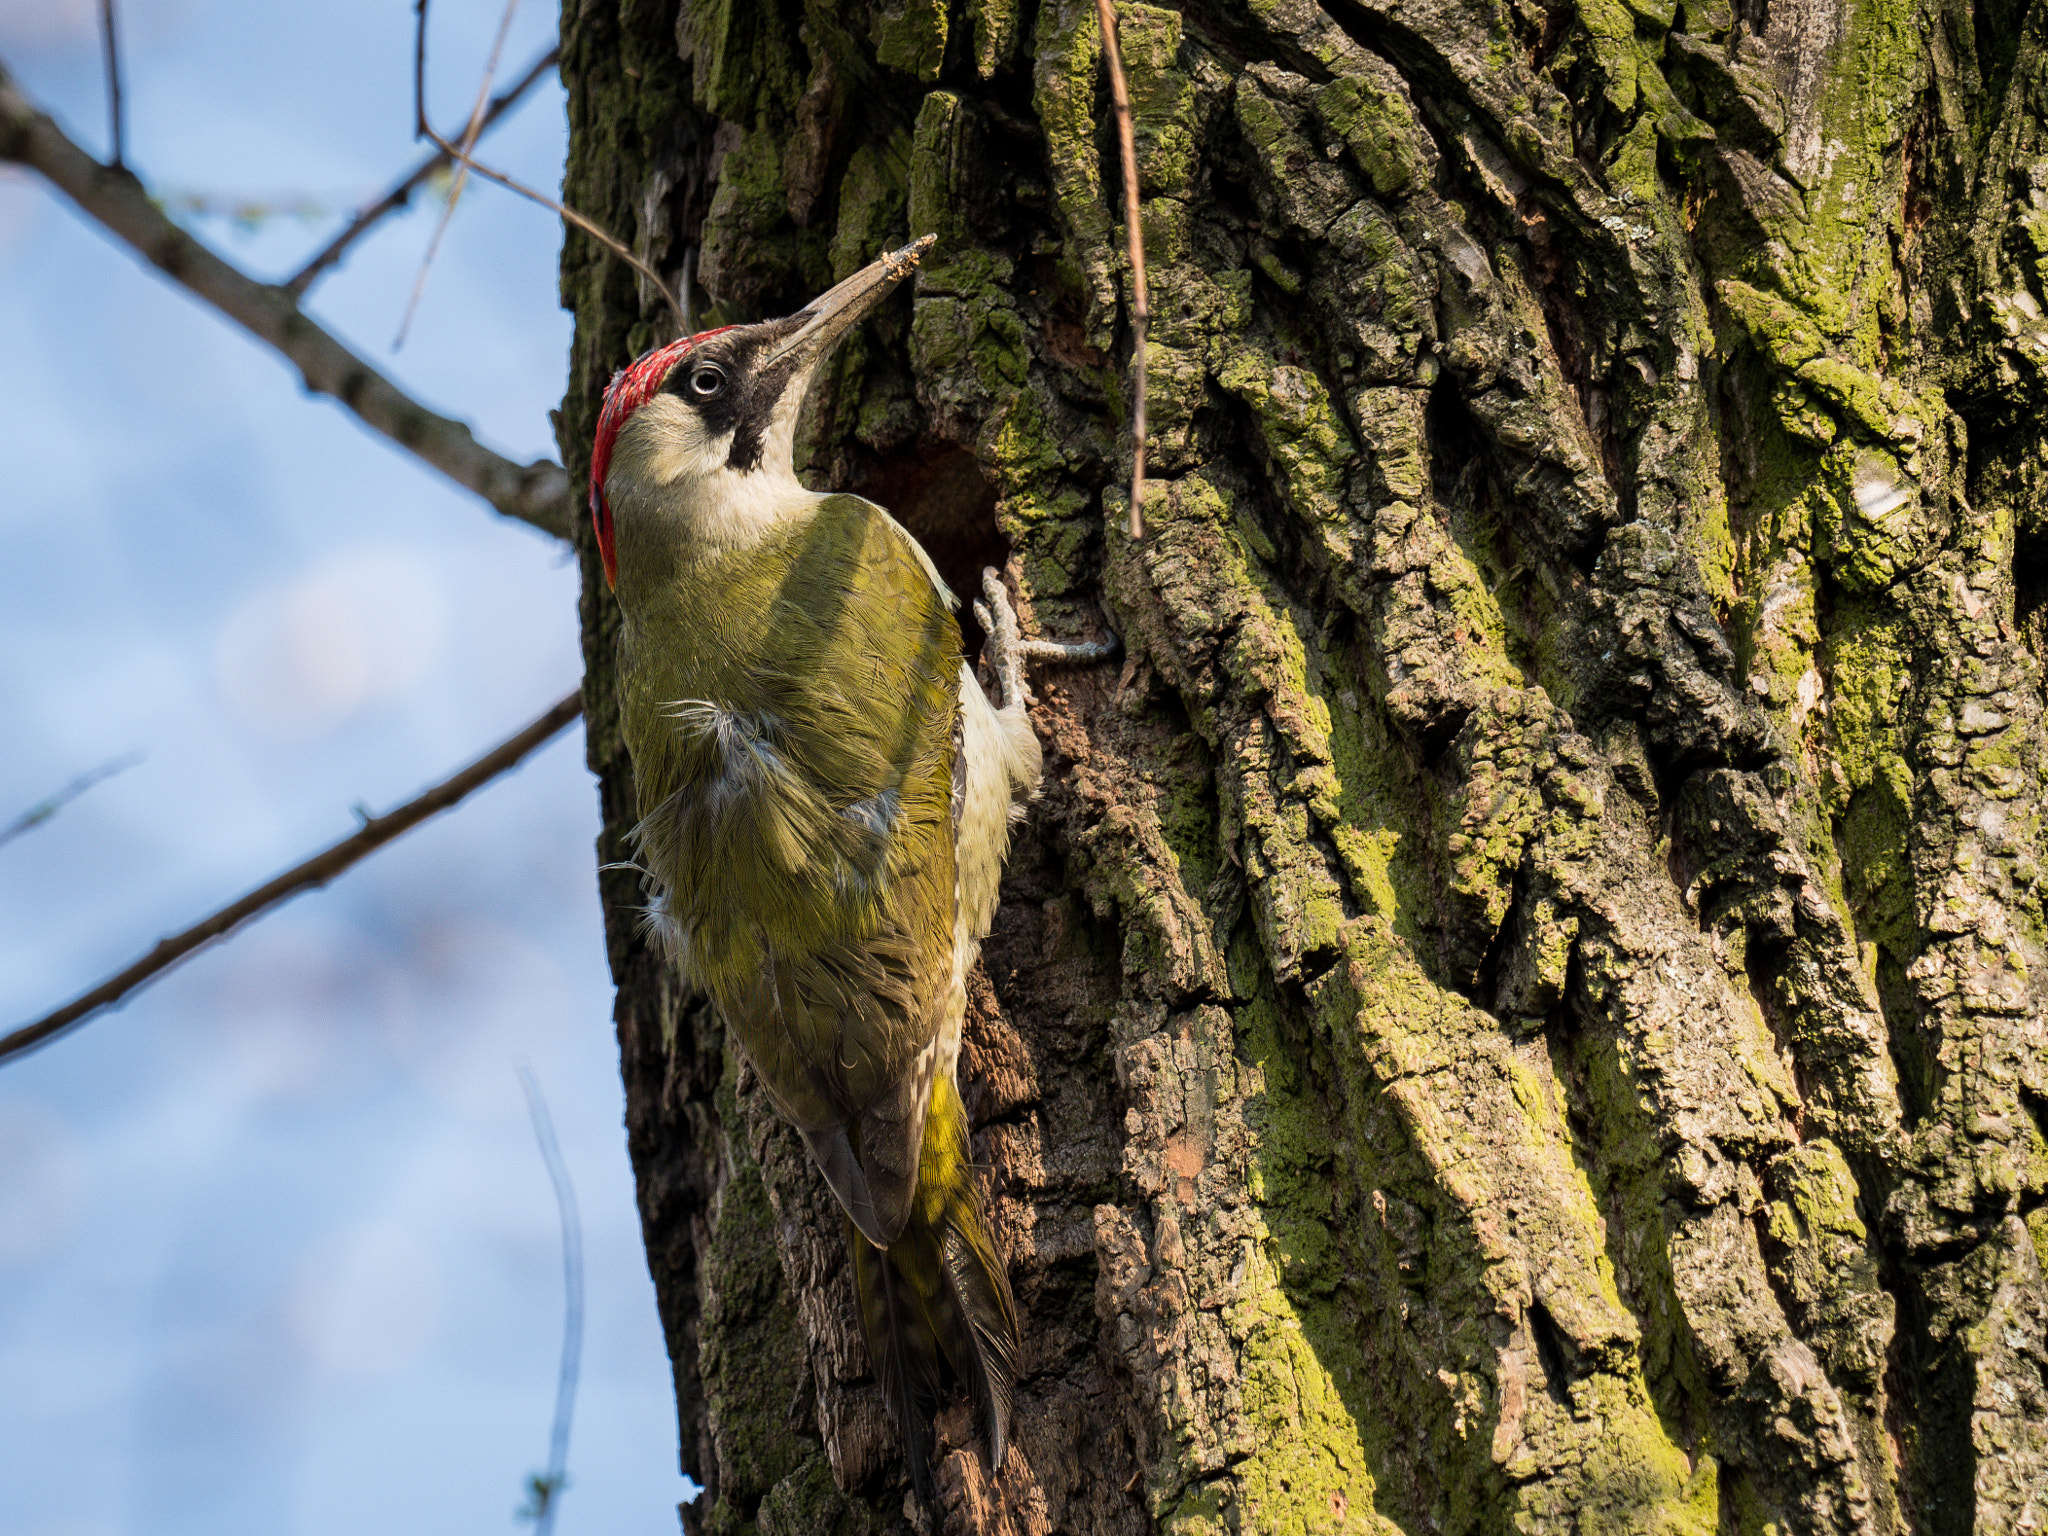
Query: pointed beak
x=833 y=313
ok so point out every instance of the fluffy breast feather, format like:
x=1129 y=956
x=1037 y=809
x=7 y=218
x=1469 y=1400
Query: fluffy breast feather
x=794 y=754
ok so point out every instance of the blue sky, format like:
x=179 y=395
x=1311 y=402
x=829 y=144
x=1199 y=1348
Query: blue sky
x=277 y=1252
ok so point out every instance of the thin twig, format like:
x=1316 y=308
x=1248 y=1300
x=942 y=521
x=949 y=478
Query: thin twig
x=1141 y=304
x=596 y=231
x=50 y=805
x=401 y=194
x=545 y=1489
x=470 y=132
x=535 y=493
x=374 y=833
x=110 y=41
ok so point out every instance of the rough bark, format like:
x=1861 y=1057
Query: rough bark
x=1520 y=1008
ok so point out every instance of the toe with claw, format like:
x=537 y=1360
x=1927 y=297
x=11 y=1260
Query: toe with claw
x=1007 y=648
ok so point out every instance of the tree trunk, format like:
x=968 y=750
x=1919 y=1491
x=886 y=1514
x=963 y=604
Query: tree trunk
x=1520 y=1007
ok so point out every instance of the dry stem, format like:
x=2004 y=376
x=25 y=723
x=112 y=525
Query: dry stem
x=110 y=42
x=1141 y=304
x=569 y=215
x=545 y=1489
x=401 y=193
x=470 y=133
x=50 y=805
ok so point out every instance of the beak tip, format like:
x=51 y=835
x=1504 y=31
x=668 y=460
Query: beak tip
x=901 y=263
x=832 y=313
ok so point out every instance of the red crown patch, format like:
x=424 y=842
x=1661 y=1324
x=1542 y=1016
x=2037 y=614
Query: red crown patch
x=631 y=387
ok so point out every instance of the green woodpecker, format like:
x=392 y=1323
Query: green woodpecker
x=825 y=800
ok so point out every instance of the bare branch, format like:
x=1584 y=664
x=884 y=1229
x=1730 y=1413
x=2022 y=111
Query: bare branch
x=374 y=833
x=569 y=215
x=1141 y=304
x=401 y=194
x=470 y=132
x=110 y=42
x=50 y=805
x=536 y=493
x=544 y=1489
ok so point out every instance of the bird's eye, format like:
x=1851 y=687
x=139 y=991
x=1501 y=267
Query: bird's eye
x=706 y=380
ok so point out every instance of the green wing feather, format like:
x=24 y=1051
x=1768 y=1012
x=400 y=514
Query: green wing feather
x=793 y=714
x=790 y=712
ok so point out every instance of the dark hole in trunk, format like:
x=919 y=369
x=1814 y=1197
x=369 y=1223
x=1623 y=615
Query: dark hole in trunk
x=2030 y=589
x=938 y=492
x=1552 y=1353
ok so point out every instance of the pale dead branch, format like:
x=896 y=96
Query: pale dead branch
x=470 y=132
x=50 y=805
x=544 y=1489
x=569 y=215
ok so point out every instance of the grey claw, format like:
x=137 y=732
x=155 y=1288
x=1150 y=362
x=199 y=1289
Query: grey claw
x=1008 y=648
x=1073 y=652
x=1005 y=645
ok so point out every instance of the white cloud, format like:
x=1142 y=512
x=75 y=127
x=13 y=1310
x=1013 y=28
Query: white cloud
x=43 y=1179
x=364 y=625
x=367 y=1302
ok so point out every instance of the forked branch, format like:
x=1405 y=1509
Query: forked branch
x=471 y=132
x=568 y=215
x=401 y=193
x=536 y=493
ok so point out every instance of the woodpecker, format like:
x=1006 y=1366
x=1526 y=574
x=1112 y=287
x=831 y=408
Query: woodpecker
x=825 y=802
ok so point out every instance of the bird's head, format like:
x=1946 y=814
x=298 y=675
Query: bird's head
x=703 y=428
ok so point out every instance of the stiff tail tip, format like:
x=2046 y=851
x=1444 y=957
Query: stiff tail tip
x=936 y=1305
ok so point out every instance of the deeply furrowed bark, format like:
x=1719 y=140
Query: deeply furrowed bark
x=1520 y=1008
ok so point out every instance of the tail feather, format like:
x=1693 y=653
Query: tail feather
x=904 y=1349
x=986 y=1321
x=940 y=1292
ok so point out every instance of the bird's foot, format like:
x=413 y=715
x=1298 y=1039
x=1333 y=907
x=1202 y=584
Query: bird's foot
x=1007 y=648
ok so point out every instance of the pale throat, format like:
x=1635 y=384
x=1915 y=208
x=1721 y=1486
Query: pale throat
x=732 y=508
x=671 y=483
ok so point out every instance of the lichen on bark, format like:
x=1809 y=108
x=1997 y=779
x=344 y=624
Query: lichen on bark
x=1520 y=1006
